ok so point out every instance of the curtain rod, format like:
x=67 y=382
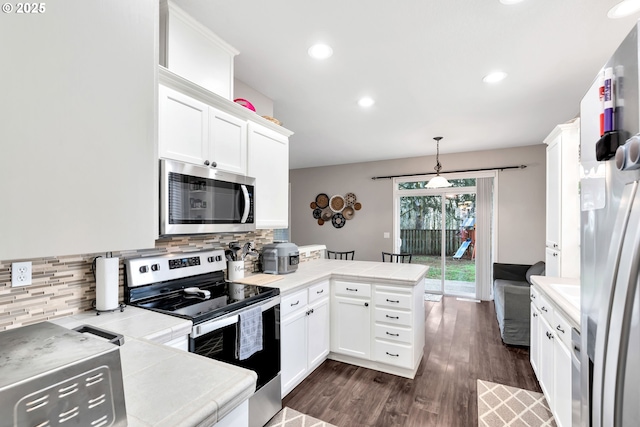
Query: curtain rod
x=456 y=171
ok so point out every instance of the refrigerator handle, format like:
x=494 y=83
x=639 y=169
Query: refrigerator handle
x=602 y=333
x=620 y=321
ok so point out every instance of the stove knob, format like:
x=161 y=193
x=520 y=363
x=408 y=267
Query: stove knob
x=155 y=267
x=210 y=259
x=144 y=269
x=218 y=258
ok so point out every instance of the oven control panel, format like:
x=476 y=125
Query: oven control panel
x=148 y=270
x=184 y=262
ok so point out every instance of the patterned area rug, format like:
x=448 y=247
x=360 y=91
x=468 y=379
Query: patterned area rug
x=287 y=417
x=433 y=297
x=500 y=405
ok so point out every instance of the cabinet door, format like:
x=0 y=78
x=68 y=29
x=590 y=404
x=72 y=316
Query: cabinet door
x=228 y=142
x=183 y=127
x=552 y=262
x=269 y=165
x=351 y=332
x=562 y=392
x=554 y=185
x=534 y=336
x=318 y=332
x=294 y=350
x=546 y=365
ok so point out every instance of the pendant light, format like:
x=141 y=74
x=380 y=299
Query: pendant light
x=438 y=181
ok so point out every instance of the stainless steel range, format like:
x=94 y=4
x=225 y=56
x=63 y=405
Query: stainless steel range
x=192 y=286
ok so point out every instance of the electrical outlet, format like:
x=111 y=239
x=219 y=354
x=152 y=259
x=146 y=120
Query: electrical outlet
x=21 y=273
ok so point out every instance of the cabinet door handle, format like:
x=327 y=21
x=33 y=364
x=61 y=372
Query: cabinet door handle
x=295 y=303
x=560 y=329
x=555 y=254
x=320 y=291
x=366 y=304
x=352 y=290
x=544 y=309
x=535 y=314
x=533 y=296
x=391 y=354
x=214 y=164
x=392 y=317
x=393 y=335
x=390 y=300
x=206 y=162
x=549 y=335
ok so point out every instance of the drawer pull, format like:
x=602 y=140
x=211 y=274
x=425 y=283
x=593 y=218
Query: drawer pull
x=390 y=300
x=560 y=329
x=533 y=296
x=391 y=354
x=549 y=335
x=295 y=303
x=393 y=335
x=535 y=314
x=320 y=291
x=352 y=290
x=544 y=309
x=392 y=317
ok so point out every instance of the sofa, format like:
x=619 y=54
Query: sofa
x=511 y=284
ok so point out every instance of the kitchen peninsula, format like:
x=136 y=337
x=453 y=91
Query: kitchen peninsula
x=165 y=386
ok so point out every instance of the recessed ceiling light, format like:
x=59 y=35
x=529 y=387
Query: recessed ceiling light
x=624 y=8
x=494 y=77
x=510 y=1
x=320 y=51
x=366 y=102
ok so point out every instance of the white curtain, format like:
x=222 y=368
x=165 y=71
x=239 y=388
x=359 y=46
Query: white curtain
x=484 y=234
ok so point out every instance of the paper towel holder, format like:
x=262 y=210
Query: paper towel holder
x=102 y=281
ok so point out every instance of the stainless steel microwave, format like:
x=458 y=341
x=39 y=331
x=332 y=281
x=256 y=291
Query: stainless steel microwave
x=198 y=200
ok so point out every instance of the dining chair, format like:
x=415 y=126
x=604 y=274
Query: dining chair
x=347 y=255
x=390 y=257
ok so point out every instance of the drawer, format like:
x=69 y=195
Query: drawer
x=351 y=289
x=394 y=333
x=394 y=354
x=393 y=300
x=319 y=290
x=394 y=317
x=546 y=309
x=294 y=302
x=534 y=295
x=561 y=329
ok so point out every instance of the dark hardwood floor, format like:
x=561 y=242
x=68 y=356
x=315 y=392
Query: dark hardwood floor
x=462 y=345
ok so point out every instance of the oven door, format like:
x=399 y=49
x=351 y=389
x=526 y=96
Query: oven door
x=217 y=340
x=196 y=199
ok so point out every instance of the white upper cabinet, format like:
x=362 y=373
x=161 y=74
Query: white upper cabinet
x=192 y=51
x=563 y=201
x=193 y=132
x=183 y=127
x=79 y=129
x=269 y=165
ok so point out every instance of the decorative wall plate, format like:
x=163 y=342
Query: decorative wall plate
x=337 y=203
x=338 y=220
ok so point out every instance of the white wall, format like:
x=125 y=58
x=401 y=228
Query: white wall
x=521 y=192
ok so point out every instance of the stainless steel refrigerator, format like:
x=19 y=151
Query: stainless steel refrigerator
x=610 y=243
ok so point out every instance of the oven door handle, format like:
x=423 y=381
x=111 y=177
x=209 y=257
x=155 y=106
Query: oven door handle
x=231 y=319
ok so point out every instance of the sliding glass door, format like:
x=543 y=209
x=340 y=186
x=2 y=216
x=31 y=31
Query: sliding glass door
x=438 y=226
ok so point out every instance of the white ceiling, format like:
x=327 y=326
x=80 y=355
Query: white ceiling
x=423 y=62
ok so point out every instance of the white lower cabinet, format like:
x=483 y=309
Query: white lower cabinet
x=351 y=319
x=239 y=417
x=378 y=326
x=305 y=333
x=551 y=356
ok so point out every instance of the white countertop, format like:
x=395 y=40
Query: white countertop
x=569 y=306
x=164 y=386
x=362 y=271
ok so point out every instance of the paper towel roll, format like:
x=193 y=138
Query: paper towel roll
x=107 y=272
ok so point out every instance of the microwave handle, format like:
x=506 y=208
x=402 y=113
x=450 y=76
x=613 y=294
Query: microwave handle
x=247 y=204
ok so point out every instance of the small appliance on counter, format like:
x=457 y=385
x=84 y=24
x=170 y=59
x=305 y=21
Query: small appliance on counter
x=280 y=258
x=50 y=375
